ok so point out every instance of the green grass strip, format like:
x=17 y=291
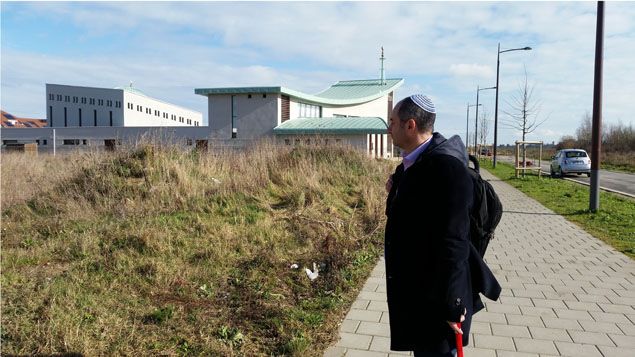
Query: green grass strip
x=613 y=223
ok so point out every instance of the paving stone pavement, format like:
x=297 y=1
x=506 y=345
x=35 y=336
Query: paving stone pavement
x=565 y=293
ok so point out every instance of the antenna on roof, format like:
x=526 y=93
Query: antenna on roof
x=130 y=84
x=382 y=58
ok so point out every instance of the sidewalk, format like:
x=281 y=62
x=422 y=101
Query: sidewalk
x=565 y=293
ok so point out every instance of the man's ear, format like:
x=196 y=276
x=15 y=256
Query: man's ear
x=412 y=125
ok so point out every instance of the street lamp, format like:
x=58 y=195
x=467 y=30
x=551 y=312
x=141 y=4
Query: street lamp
x=476 y=121
x=467 y=125
x=498 y=63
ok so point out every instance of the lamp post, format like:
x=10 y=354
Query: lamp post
x=498 y=63
x=467 y=125
x=476 y=121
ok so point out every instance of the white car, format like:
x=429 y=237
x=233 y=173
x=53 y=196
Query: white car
x=570 y=161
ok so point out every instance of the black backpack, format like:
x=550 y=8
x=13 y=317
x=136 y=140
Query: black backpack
x=486 y=210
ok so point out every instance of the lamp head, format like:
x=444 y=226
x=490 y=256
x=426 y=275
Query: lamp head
x=527 y=48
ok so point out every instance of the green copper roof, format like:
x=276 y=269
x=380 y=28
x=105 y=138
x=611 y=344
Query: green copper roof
x=348 y=125
x=131 y=89
x=341 y=93
x=360 y=88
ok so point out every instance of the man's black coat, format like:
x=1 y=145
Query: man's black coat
x=433 y=272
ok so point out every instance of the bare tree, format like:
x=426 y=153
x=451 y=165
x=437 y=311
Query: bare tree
x=523 y=112
x=585 y=131
x=484 y=127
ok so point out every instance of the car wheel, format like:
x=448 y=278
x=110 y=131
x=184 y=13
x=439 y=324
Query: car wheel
x=552 y=173
x=560 y=173
x=588 y=174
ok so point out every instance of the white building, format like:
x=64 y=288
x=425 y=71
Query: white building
x=75 y=106
x=351 y=112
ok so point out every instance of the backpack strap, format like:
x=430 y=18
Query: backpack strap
x=474 y=160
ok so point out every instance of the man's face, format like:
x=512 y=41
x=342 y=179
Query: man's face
x=397 y=128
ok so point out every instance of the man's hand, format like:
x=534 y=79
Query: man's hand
x=455 y=327
x=389 y=184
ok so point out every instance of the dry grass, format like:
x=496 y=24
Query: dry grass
x=158 y=251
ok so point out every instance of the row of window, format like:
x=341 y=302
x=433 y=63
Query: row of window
x=84 y=100
x=164 y=115
x=81 y=119
x=309 y=111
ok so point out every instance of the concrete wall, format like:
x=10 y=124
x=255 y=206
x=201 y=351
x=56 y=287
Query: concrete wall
x=95 y=137
x=104 y=104
x=148 y=111
x=254 y=117
x=92 y=101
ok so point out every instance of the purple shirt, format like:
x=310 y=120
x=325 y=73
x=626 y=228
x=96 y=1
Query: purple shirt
x=409 y=159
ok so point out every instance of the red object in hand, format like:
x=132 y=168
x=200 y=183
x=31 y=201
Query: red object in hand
x=459 y=342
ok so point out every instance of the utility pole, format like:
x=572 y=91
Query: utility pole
x=594 y=193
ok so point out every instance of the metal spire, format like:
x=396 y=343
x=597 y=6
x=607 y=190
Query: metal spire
x=382 y=58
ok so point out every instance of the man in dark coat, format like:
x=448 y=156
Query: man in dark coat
x=433 y=274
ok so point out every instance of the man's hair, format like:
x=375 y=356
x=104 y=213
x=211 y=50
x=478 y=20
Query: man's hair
x=409 y=110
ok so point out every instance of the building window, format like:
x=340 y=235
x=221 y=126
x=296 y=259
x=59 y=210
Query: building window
x=117 y=104
x=287 y=141
x=249 y=96
x=80 y=116
x=264 y=95
x=83 y=100
x=100 y=102
x=92 y=101
x=51 y=115
x=44 y=142
x=308 y=110
x=59 y=97
x=111 y=118
x=67 y=98
x=71 y=141
x=51 y=96
x=109 y=103
x=75 y=100
x=189 y=142
x=65 y=117
x=95 y=117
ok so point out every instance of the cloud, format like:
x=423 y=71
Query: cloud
x=442 y=49
x=471 y=70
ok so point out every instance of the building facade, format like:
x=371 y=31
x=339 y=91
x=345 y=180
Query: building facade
x=75 y=106
x=351 y=112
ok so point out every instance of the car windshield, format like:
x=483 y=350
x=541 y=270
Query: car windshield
x=575 y=154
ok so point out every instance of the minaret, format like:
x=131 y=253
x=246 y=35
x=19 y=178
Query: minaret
x=382 y=58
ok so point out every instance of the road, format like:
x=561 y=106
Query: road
x=620 y=182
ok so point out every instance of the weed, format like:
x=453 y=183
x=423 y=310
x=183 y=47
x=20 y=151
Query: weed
x=159 y=316
x=186 y=243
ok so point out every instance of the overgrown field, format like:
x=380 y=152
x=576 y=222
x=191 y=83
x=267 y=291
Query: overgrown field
x=614 y=223
x=157 y=251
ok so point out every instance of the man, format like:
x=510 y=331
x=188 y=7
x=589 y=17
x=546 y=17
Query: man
x=430 y=262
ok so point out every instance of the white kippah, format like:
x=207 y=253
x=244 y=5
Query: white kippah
x=423 y=102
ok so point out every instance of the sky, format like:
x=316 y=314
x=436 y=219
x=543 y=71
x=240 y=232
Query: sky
x=441 y=49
